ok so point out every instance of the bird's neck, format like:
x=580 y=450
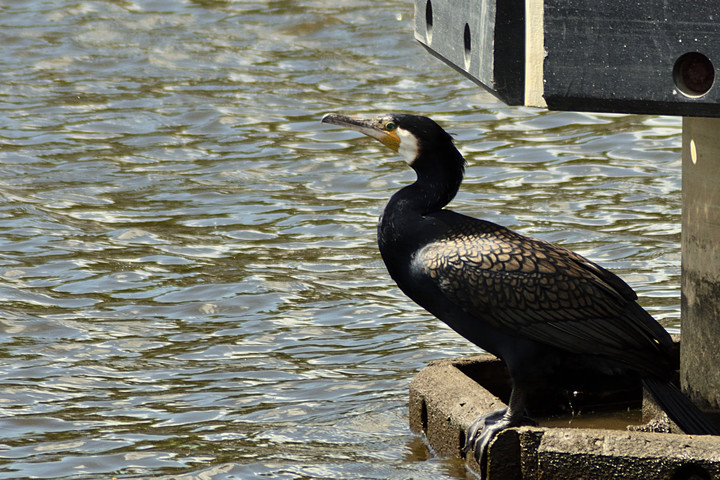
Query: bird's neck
x=407 y=221
x=438 y=181
x=425 y=196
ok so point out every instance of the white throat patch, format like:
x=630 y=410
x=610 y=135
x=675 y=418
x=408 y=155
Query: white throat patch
x=409 y=148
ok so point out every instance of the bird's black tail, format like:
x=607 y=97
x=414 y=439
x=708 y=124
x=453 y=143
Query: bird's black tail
x=680 y=409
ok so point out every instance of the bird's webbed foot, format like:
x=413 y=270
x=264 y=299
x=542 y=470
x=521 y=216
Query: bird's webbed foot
x=484 y=429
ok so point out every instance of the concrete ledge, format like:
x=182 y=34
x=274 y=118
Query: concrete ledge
x=444 y=401
x=607 y=454
x=447 y=396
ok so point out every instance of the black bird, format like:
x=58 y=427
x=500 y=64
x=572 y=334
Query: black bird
x=554 y=317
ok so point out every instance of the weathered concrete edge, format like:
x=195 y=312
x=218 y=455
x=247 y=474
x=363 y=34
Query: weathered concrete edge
x=444 y=402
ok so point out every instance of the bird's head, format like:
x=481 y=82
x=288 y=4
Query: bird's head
x=424 y=145
x=409 y=135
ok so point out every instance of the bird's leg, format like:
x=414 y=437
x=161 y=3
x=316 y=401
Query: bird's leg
x=484 y=429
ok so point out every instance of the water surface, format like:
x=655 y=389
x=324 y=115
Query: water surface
x=189 y=279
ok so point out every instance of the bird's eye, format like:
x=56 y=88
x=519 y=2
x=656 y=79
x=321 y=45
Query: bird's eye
x=390 y=126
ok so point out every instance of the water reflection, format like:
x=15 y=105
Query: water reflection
x=190 y=281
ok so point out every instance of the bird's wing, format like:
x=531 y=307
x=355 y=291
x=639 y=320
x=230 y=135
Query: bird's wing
x=537 y=290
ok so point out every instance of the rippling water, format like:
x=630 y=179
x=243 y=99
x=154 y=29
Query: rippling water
x=189 y=278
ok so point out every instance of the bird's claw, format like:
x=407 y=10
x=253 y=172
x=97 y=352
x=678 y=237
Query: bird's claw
x=485 y=429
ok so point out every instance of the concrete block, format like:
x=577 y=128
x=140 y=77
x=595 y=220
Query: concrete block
x=444 y=401
x=447 y=396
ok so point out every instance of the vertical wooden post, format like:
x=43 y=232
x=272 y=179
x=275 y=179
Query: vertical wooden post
x=700 y=346
x=534 y=53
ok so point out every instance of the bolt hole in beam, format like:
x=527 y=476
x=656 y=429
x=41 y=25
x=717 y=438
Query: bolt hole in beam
x=694 y=74
x=428 y=22
x=468 y=46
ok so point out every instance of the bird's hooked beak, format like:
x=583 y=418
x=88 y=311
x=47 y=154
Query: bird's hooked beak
x=380 y=128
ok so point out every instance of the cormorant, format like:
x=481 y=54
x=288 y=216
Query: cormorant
x=554 y=317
